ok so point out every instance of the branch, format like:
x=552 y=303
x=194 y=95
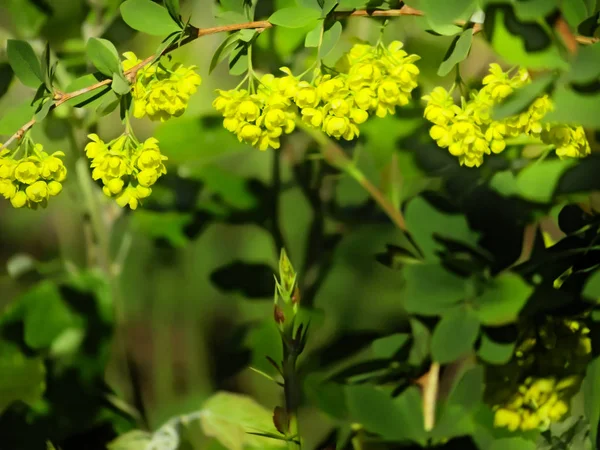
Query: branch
x=196 y=33
x=335 y=156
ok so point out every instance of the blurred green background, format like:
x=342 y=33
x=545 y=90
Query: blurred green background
x=196 y=283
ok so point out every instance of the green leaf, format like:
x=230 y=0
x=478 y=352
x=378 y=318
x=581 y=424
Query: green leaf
x=295 y=17
x=148 y=17
x=458 y=51
x=230 y=417
x=104 y=56
x=22 y=378
x=421 y=344
x=442 y=13
x=388 y=346
x=502 y=300
x=513 y=443
x=313 y=36
x=238 y=60
x=233 y=5
x=42 y=112
x=14 y=117
x=329 y=397
x=379 y=413
x=454 y=336
x=92 y=98
x=571 y=107
x=24 y=63
x=314 y=4
x=20 y=264
x=166 y=225
x=538 y=181
x=47 y=315
x=232 y=189
x=592 y=287
x=223 y=50
x=174 y=12
x=132 y=440
x=505 y=183
x=328 y=6
x=586 y=65
x=425 y=222
x=331 y=38
x=493 y=352
x=421 y=296
x=574 y=11
x=522 y=98
x=458 y=410
x=512 y=49
x=532 y=10
x=591 y=397
x=247 y=35
x=352 y=4
x=120 y=84
x=108 y=104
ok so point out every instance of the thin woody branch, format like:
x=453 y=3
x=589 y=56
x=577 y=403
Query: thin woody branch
x=259 y=24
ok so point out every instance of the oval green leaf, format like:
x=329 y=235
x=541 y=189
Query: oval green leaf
x=104 y=56
x=295 y=17
x=454 y=336
x=24 y=63
x=148 y=17
x=458 y=51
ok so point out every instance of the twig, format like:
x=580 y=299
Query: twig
x=569 y=39
x=196 y=33
x=430 y=384
x=335 y=156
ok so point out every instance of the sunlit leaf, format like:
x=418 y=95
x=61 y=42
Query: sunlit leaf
x=148 y=17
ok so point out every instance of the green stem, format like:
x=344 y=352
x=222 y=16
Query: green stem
x=101 y=245
x=335 y=156
x=291 y=390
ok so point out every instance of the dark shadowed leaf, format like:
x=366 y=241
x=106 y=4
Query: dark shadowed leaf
x=455 y=335
x=22 y=377
x=502 y=300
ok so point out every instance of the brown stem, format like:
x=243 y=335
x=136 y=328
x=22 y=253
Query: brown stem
x=335 y=156
x=259 y=25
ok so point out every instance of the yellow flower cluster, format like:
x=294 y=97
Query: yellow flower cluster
x=126 y=167
x=534 y=389
x=537 y=403
x=159 y=91
x=33 y=179
x=469 y=132
x=260 y=118
x=369 y=80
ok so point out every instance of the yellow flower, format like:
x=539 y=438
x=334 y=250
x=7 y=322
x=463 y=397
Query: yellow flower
x=7 y=188
x=558 y=411
x=147 y=177
x=248 y=111
x=306 y=95
x=95 y=148
x=249 y=133
x=19 y=199
x=53 y=168
x=507 y=418
x=37 y=192
x=530 y=420
x=54 y=188
x=27 y=172
x=312 y=116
